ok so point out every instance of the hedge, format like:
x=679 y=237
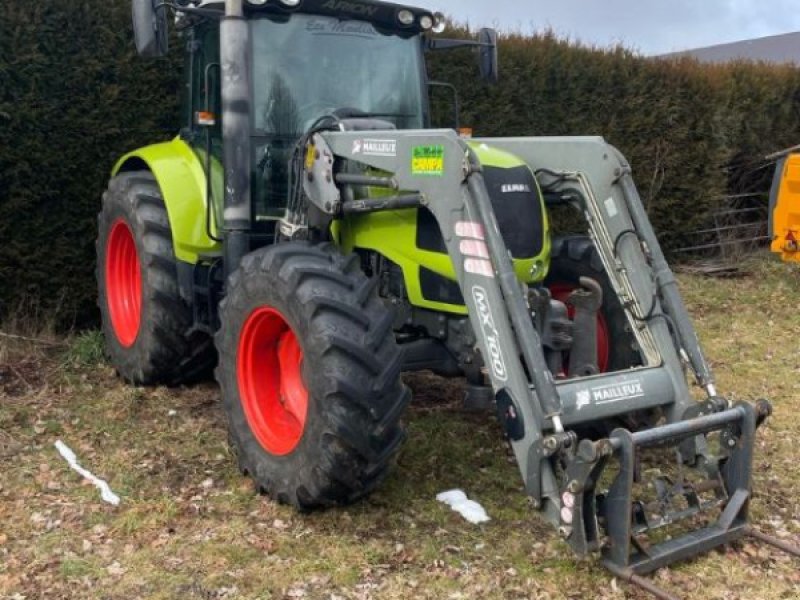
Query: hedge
x=74 y=97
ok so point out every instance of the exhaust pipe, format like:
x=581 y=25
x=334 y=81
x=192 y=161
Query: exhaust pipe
x=236 y=94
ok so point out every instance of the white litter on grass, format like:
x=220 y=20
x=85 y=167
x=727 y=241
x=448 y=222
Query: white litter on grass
x=105 y=490
x=469 y=509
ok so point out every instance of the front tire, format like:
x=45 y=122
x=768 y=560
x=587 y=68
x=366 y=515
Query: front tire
x=310 y=375
x=146 y=323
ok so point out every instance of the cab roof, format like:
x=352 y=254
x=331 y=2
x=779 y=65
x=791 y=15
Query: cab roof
x=383 y=15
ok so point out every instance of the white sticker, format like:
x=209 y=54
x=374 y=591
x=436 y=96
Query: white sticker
x=607 y=394
x=611 y=207
x=490 y=333
x=469 y=229
x=475 y=248
x=479 y=267
x=382 y=148
x=583 y=398
x=515 y=188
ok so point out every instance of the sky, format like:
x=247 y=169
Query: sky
x=648 y=26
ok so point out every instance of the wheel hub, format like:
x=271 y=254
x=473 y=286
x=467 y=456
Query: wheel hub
x=123 y=283
x=269 y=371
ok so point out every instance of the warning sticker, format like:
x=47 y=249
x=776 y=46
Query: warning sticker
x=427 y=160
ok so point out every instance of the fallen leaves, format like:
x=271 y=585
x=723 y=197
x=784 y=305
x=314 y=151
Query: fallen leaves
x=196 y=529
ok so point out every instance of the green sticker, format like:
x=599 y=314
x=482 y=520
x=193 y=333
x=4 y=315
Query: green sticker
x=427 y=160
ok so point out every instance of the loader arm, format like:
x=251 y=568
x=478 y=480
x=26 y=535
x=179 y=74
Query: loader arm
x=443 y=170
x=437 y=170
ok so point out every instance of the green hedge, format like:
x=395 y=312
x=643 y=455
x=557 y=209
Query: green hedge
x=74 y=97
x=680 y=124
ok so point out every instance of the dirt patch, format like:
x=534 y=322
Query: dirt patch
x=22 y=377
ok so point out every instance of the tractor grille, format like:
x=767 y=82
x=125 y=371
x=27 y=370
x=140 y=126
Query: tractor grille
x=519 y=209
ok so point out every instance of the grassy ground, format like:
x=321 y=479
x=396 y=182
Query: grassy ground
x=190 y=526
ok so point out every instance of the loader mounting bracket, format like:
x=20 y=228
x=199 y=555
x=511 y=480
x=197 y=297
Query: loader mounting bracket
x=612 y=520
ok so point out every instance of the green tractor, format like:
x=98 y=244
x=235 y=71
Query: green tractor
x=312 y=235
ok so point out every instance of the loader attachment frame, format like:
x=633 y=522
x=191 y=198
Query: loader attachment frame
x=438 y=170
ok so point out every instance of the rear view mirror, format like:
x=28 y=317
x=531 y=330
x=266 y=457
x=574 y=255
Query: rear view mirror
x=150 y=28
x=488 y=55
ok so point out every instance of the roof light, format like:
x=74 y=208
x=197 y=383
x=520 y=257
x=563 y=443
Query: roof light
x=426 y=22
x=406 y=17
x=290 y=3
x=439 y=22
x=257 y=2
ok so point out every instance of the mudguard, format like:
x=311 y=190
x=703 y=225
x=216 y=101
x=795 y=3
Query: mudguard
x=182 y=179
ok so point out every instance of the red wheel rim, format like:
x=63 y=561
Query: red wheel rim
x=123 y=283
x=274 y=397
x=561 y=291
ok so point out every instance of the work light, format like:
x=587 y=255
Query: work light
x=438 y=22
x=406 y=17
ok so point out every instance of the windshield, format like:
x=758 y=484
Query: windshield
x=310 y=66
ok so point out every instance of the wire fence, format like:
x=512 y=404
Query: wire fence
x=735 y=232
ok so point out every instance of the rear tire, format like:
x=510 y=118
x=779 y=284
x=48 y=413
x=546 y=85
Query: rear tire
x=145 y=321
x=574 y=257
x=310 y=375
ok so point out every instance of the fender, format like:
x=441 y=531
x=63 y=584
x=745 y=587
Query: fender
x=182 y=179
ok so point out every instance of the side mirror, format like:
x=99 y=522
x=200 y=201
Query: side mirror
x=150 y=28
x=490 y=70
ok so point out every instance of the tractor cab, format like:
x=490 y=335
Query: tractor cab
x=359 y=61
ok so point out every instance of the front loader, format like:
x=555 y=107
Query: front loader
x=311 y=223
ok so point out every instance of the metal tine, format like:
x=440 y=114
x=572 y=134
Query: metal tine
x=629 y=576
x=774 y=542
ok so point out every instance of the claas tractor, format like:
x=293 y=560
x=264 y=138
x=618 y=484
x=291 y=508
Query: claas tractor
x=312 y=234
x=784 y=206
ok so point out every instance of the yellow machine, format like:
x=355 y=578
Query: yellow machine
x=784 y=213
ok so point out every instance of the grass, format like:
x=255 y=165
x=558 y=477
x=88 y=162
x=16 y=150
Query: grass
x=85 y=350
x=190 y=526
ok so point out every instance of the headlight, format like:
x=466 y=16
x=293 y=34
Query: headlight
x=439 y=22
x=406 y=17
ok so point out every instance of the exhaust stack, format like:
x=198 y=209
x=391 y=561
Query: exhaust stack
x=236 y=94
